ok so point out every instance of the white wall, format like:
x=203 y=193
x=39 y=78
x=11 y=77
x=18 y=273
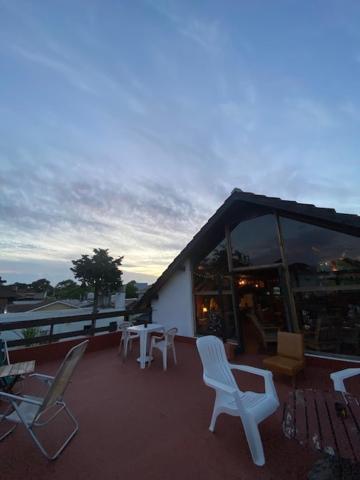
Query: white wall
x=174 y=307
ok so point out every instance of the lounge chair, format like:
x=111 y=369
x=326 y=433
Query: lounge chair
x=36 y=412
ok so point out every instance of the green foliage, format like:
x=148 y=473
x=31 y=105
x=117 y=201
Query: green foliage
x=69 y=289
x=42 y=285
x=131 y=290
x=100 y=272
x=30 y=332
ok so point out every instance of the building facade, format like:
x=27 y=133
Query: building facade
x=263 y=264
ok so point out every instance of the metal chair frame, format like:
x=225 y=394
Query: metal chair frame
x=53 y=398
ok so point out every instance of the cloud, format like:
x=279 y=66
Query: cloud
x=311 y=113
x=206 y=33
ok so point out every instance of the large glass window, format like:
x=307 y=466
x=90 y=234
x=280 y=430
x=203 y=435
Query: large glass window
x=212 y=289
x=324 y=267
x=255 y=242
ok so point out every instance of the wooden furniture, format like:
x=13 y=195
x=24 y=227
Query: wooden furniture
x=328 y=422
x=290 y=358
x=266 y=334
x=15 y=369
x=143 y=331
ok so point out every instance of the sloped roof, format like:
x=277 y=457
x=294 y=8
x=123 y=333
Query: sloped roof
x=7 y=292
x=18 y=308
x=325 y=217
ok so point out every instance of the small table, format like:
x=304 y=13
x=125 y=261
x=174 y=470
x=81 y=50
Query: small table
x=15 y=369
x=328 y=422
x=143 y=332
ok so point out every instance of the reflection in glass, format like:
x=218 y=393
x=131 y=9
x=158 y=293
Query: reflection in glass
x=324 y=267
x=213 y=300
x=320 y=257
x=255 y=242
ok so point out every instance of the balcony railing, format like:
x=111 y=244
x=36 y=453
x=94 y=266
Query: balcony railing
x=87 y=330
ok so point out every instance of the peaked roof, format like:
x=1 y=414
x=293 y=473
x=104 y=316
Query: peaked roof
x=325 y=217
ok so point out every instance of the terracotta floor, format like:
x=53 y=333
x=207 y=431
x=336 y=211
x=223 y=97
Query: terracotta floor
x=147 y=424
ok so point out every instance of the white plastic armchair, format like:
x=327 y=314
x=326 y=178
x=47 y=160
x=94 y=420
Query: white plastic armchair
x=339 y=377
x=126 y=338
x=251 y=407
x=34 y=412
x=164 y=343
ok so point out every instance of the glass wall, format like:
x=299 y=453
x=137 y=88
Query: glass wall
x=255 y=242
x=324 y=267
x=213 y=298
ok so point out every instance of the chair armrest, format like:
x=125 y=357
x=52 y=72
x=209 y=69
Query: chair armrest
x=220 y=386
x=11 y=396
x=42 y=377
x=266 y=374
x=156 y=338
x=248 y=369
x=339 y=377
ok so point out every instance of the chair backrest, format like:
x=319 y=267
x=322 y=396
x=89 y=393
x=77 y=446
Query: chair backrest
x=63 y=375
x=124 y=326
x=170 y=335
x=4 y=353
x=291 y=345
x=213 y=357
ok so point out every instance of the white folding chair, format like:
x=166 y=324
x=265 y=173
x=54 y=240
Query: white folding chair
x=36 y=412
x=251 y=407
x=126 y=338
x=339 y=377
x=164 y=343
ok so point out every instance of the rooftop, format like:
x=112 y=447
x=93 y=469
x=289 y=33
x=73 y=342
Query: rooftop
x=150 y=424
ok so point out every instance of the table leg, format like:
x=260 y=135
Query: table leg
x=143 y=348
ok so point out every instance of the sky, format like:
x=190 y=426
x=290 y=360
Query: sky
x=125 y=124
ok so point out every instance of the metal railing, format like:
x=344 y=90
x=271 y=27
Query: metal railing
x=87 y=330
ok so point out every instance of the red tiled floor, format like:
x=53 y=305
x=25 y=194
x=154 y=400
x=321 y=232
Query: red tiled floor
x=148 y=424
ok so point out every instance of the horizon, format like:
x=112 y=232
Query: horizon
x=126 y=127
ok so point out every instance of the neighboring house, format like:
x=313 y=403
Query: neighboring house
x=49 y=305
x=141 y=288
x=7 y=296
x=295 y=266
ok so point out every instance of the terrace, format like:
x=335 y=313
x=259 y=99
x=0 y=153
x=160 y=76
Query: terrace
x=150 y=424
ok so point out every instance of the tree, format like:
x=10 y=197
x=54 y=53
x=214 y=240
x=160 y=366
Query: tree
x=41 y=285
x=99 y=272
x=68 y=289
x=2 y=281
x=131 y=290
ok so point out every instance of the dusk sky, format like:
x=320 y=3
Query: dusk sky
x=125 y=124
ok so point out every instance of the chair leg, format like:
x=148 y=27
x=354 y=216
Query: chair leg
x=64 y=445
x=126 y=345
x=6 y=434
x=165 y=358
x=254 y=441
x=214 y=416
x=3 y=419
x=120 y=345
x=174 y=354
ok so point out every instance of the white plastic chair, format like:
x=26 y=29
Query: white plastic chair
x=251 y=407
x=339 y=377
x=164 y=343
x=36 y=412
x=126 y=338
